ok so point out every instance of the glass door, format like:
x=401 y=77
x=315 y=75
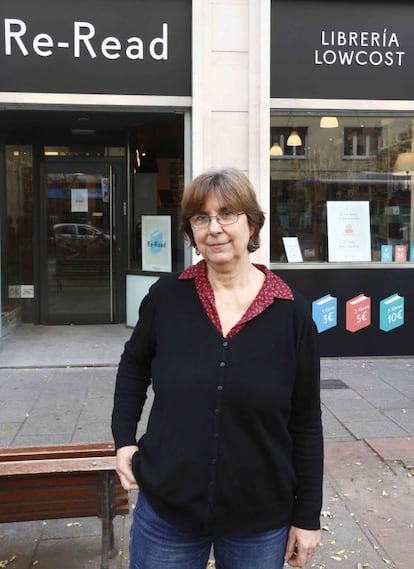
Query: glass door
x=77 y=256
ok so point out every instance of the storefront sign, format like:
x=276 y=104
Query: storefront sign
x=118 y=47
x=326 y=50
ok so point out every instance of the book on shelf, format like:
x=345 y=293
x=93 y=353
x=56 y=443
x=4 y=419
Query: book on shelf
x=386 y=253
x=400 y=253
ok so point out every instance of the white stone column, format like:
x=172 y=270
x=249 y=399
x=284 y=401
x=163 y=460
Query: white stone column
x=231 y=92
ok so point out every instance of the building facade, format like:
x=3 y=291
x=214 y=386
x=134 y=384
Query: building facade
x=107 y=114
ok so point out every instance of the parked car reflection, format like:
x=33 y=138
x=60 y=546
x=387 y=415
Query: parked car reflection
x=80 y=240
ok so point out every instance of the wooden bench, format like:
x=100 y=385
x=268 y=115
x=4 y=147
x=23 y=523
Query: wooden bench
x=62 y=481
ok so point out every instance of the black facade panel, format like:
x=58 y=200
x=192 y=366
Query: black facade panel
x=342 y=50
x=136 y=47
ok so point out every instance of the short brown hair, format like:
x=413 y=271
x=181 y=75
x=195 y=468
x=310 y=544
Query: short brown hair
x=231 y=187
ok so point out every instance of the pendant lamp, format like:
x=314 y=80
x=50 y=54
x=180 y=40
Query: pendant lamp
x=328 y=122
x=294 y=139
x=276 y=149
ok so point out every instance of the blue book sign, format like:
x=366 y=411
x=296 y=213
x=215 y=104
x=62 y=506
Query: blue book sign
x=386 y=253
x=324 y=312
x=391 y=312
x=411 y=253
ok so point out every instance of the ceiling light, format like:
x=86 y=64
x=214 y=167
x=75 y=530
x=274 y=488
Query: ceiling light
x=276 y=149
x=294 y=139
x=404 y=165
x=328 y=122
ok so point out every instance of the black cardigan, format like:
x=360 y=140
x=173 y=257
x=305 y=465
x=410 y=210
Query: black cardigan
x=234 y=438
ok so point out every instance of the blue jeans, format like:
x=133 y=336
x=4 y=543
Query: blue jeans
x=155 y=544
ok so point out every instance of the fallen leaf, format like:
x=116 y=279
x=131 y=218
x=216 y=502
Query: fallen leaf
x=336 y=557
x=340 y=552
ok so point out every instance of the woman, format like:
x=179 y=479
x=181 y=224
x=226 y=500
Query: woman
x=232 y=456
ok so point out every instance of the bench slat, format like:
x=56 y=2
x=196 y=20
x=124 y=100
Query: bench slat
x=53 y=466
x=59 y=451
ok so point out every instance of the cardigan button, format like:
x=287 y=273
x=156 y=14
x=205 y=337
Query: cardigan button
x=219 y=387
x=222 y=364
x=225 y=344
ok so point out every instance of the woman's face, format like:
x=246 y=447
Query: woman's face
x=222 y=244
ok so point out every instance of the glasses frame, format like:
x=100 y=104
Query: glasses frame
x=217 y=218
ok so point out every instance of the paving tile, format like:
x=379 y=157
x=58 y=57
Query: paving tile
x=15 y=410
x=392 y=449
x=361 y=429
x=100 y=432
x=387 y=398
x=333 y=429
x=347 y=460
x=23 y=440
x=398 y=544
x=343 y=537
x=19 y=542
x=8 y=432
x=403 y=417
x=82 y=552
x=347 y=410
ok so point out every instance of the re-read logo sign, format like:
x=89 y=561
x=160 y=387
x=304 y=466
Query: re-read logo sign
x=82 y=43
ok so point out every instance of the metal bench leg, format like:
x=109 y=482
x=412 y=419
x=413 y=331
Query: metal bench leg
x=105 y=481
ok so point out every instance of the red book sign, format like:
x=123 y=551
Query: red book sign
x=358 y=313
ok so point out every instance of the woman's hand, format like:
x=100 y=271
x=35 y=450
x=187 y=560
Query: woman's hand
x=124 y=467
x=301 y=546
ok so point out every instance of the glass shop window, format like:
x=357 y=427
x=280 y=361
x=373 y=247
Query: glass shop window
x=349 y=197
x=157 y=184
x=17 y=238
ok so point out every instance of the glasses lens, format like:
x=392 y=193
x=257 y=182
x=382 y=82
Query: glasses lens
x=199 y=220
x=227 y=217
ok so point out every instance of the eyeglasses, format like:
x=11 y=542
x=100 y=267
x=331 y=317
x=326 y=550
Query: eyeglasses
x=202 y=220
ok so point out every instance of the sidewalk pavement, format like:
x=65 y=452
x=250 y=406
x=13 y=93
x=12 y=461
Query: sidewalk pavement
x=56 y=386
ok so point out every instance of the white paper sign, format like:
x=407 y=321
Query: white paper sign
x=79 y=199
x=156 y=243
x=292 y=250
x=349 y=236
